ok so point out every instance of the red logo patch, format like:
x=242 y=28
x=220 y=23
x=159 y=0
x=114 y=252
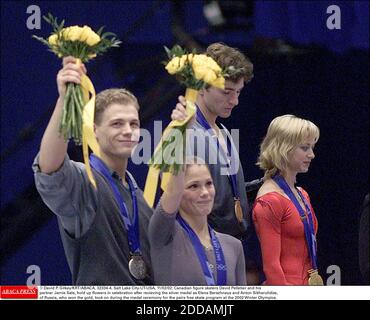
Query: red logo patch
x=18 y=292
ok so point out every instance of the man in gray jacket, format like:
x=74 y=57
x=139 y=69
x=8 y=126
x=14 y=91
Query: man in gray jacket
x=103 y=229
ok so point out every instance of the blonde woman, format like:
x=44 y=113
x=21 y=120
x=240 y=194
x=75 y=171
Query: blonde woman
x=285 y=221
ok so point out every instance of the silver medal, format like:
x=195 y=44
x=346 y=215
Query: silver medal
x=137 y=267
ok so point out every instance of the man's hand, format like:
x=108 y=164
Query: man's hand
x=72 y=71
x=179 y=112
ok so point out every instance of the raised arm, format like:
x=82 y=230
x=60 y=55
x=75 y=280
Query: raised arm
x=53 y=147
x=171 y=199
x=162 y=222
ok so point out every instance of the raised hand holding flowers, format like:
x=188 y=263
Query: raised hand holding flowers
x=194 y=71
x=83 y=44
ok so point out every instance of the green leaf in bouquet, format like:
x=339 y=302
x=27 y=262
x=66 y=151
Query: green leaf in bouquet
x=171 y=154
x=100 y=31
x=45 y=42
x=49 y=19
x=107 y=34
x=177 y=51
x=168 y=52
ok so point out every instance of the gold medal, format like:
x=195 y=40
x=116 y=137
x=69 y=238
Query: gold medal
x=314 y=278
x=238 y=209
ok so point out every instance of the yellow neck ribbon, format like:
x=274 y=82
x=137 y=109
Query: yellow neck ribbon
x=152 y=178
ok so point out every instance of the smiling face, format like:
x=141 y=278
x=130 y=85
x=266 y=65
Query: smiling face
x=301 y=156
x=118 y=130
x=199 y=191
x=220 y=102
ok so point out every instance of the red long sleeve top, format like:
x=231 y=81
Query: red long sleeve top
x=280 y=230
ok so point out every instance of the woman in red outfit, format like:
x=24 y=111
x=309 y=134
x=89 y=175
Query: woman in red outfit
x=285 y=222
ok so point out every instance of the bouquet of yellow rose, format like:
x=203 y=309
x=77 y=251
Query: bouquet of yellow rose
x=194 y=71
x=84 y=44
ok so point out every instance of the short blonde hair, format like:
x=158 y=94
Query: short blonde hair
x=283 y=135
x=110 y=96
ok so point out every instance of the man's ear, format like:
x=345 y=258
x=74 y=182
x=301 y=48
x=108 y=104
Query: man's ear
x=95 y=128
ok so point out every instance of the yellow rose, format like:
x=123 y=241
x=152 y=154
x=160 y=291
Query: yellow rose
x=218 y=83
x=207 y=70
x=212 y=64
x=209 y=76
x=92 y=39
x=199 y=60
x=92 y=55
x=207 y=62
x=186 y=58
x=178 y=63
x=65 y=32
x=174 y=65
x=69 y=33
x=85 y=33
x=53 y=39
x=74 y=33
x=200 y=72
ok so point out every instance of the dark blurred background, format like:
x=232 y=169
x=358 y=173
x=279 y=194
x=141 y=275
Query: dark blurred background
x=301 y=67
